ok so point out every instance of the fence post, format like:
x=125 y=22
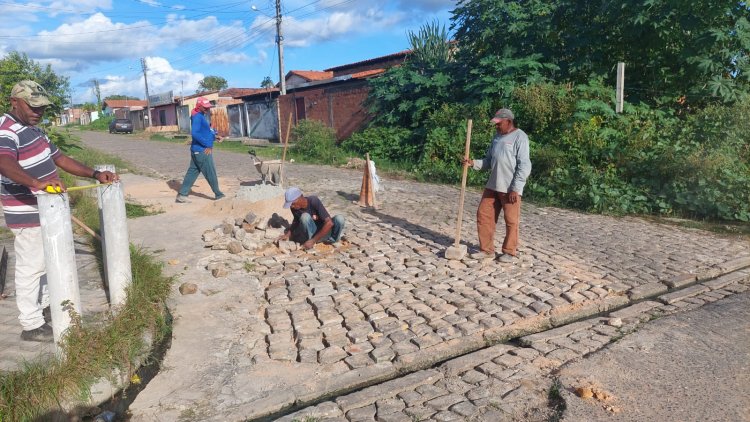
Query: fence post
x=115 y=243
x=620 y=87
x=60 y=258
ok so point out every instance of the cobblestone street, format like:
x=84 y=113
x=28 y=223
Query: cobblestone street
x=393 y=330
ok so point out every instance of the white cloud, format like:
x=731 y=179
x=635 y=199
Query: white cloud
x=162 y=77
x=305 y=32
x=97 y=39
x=151 y=3
x=427 y=5
x=224 y=58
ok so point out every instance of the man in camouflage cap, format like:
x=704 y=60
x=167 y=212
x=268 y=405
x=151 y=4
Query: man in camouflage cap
x=28 y=165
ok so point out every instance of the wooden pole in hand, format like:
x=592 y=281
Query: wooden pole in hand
x=286 y=144
x=463 y=185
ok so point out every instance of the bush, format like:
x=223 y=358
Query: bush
x=316 y=142
x=102 y=123
x=385 y=143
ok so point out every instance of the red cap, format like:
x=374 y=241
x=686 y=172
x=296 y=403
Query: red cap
x=204 y=103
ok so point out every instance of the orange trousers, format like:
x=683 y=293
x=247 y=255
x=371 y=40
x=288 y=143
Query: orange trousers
x=491 y=204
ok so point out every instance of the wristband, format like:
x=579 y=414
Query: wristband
x=96 y=173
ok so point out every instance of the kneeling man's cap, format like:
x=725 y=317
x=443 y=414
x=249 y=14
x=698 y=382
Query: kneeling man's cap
x=31 y=92
x=291 y=195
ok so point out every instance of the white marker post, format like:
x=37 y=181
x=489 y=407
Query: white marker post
x=115 y=244
x=60 y=258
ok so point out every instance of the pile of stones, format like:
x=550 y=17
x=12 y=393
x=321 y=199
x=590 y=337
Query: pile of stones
x=245 y=238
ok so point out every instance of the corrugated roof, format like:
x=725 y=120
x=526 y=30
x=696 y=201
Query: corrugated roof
x=243 y=92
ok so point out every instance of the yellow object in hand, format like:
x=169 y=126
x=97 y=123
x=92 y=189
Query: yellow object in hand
x=55 y=189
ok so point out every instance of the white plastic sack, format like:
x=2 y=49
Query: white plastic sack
x=374 y=176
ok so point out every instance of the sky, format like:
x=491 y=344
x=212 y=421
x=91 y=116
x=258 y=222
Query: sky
x=184 y=41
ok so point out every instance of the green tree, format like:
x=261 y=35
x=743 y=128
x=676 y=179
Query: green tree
x=406 y=94
x=212 y=83
x=15 y=67
x=672 y=48
x=89 y=107
x=267 y=83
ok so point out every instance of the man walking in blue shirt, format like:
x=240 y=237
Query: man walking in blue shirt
x=201 y=157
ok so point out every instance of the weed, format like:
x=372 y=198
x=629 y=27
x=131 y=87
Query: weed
x=249 y=266
x=307 y=419
x=136 y=210
x=555 y=400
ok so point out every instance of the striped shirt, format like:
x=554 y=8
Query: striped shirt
x=35 y=153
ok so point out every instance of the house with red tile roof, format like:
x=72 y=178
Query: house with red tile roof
x=334 y=96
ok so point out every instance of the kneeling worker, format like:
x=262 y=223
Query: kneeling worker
x=312 y=223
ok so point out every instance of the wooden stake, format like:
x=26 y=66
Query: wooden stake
x=88 y=229
x=463 y=184
x=365 y=192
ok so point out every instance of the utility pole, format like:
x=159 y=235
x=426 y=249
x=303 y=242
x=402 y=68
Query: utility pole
x=279 y=43
x=145 y=79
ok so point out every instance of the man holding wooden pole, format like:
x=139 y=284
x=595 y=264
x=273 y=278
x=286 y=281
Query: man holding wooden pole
x=507 y=158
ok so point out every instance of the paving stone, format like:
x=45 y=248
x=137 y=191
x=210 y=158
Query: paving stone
x=562 y=354
x=647 y=290
x=389 y=405
x=331 y=354
x=370 y=395
x=419 y=413
x=559 y=332
x=429 y=391
x=362 y=414
x=465 y=409
x=723 y=281
x=359 y=361
x=382 y=354
x=444 y=402
x=446 y=416
x=671 y=298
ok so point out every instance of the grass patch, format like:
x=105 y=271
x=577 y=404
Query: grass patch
x=137 y=210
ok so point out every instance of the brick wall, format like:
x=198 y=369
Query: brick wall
x=340 y=106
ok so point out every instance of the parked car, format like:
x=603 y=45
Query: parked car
x=121 y=125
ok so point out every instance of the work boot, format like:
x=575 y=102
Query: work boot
x=182 y=199
x=43 y=333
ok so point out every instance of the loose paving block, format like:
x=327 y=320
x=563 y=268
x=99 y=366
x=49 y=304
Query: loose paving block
x=387 y=389
x=735 y=264
x=725 y=280
x=680 y=280
x=559 y=332
x=647 y=290
x=671 y=298
x=466 y=362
